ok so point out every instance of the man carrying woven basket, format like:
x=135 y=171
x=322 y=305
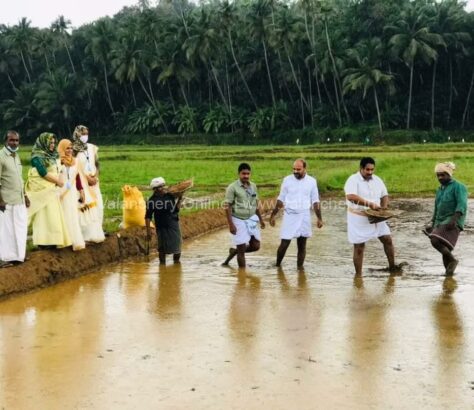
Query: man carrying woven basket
x=364 y=190
x=449 y=215
x=164 y=208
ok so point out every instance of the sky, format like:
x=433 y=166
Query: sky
x=43 y=12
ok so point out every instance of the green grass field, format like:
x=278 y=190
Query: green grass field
x=406 y=170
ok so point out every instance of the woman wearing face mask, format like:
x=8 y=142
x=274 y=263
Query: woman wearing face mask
x=71 y=193
x=45 y=212
x=92 y=210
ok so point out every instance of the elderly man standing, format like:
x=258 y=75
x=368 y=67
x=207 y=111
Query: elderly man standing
x=449 y=215
x=298 y=193
x=365 y=190
x=13 y=203
x=243 y=215
x=164 y=207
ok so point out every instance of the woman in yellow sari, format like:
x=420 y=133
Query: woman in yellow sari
x=45 y=213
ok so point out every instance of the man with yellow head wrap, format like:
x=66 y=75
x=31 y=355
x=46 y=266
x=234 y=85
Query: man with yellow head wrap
x=449 y=215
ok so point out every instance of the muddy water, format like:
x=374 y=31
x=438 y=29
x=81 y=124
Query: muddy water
x=199 y=335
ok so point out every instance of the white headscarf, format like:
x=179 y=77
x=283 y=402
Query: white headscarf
x=447 y=167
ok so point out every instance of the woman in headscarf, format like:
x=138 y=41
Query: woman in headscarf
x=87 y=160
x=71 y=193
x=45 y=211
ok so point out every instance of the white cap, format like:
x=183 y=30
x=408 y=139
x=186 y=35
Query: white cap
x=157 y=182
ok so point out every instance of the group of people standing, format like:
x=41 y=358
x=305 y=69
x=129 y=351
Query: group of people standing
x=62 y=201
x=61 y=198
x=363 y=190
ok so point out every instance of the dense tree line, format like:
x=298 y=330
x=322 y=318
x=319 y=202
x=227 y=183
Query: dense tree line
x=245 y=65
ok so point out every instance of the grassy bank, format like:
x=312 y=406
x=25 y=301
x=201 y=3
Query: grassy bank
x=407 y=170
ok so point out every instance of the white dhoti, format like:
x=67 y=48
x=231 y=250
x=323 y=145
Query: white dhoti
x=296 y=225
x=246 y=228
x=360 y=230
x=13 y=231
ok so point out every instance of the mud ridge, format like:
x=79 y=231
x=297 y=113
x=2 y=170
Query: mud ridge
x=48 y=267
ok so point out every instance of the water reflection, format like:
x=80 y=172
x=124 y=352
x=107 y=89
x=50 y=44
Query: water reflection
x=243 y=310
x=166 y=301
x=37 y=359
x=450 y=339
x=369 y=334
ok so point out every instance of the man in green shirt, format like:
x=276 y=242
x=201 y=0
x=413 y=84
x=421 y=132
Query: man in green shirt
x=449 y=215
x=243 y=216
x=13 y=203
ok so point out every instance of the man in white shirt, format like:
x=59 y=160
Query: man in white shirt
x=365 y=190
x=298 y=193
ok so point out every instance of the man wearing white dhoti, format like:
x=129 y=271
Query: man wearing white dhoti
x=243 y=216
x=13 y=203
x=298 y=194
x=365 y=190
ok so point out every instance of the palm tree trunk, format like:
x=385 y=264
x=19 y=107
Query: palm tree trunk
x=183 y=93
x=108 y=90
x=295 y=79
x=47 y=63
x=450 y=102
x=310 y=92
x=336 y=74
x=240 y=70
x=412 y=65
x=433 y=83
x=378 y=111
x=466 y=108
x=219 y=88
x=11 y=81
x=24 y=65
x=228 y=87
x=268 y=73
x=133 y=95
x=152 y=102
x=337 y=102
x=170 y=92
x=69 y=56
x=313 y=49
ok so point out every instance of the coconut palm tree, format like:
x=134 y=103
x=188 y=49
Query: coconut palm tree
x=100 y=38
x=412 y=41
x=60 y=27
x=366 y=73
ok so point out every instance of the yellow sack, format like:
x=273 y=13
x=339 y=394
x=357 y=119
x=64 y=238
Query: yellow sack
x=134 y=207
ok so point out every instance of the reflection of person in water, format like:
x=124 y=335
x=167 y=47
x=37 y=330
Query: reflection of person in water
x=367 y=331
x=243 y=310
x=168 y=300
x=450 y=334
x=300 y=316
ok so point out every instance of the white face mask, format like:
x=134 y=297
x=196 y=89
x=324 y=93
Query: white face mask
x=12 y=149
x=84 y=138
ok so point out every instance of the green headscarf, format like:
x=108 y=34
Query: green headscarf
x=41 y=149
x=77 y=144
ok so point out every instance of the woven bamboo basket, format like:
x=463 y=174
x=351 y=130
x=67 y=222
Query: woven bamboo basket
x=181 y=187
x=381 y=215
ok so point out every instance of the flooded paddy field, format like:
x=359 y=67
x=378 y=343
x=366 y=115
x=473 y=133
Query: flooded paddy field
x=199 y=335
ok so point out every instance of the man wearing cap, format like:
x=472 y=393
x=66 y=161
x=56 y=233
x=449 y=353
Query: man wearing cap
x=364 y=190
x=164 y=208
x=13 y=203
x=449 y=215
x=243 y=215
x=298 y=194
